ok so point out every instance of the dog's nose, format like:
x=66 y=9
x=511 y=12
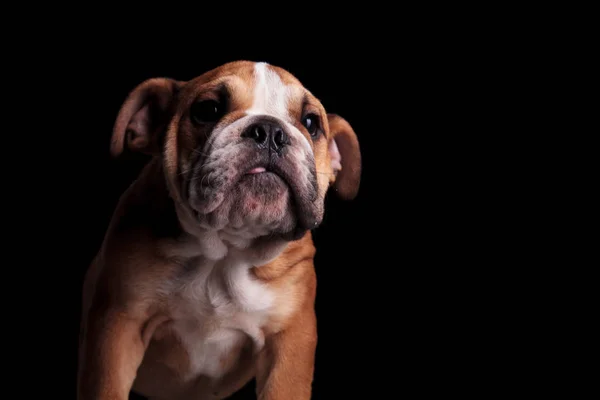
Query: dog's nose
x=267 y=134
x=278 y=139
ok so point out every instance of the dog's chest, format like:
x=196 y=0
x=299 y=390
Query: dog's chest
x=217 y=307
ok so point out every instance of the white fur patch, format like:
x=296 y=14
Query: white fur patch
x=271 y=98
x=216 y=309
x=270 y=93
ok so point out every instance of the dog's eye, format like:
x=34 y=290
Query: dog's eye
x=311 y=123
x=206 y=111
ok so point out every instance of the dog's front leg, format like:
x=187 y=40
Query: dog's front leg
x=112 y=350
x=286 y=365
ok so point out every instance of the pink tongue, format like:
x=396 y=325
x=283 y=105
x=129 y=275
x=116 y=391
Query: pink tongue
x=257 y=170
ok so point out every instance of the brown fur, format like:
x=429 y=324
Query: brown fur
x=125 y=325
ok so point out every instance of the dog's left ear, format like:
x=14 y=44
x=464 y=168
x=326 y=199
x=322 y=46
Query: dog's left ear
x=143 y=116
x=344 y=153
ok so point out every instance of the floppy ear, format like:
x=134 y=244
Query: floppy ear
x=143 y=116
x=344 y=152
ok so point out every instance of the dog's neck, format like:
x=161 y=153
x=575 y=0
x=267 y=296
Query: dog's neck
x=172 y=221
x=218 y=244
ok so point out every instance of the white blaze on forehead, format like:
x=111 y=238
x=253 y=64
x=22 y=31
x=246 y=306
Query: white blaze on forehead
x=270 y=93
x=271 y=97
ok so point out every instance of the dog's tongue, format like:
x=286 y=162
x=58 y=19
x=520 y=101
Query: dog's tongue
x=256 y=170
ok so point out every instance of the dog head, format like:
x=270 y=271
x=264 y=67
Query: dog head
x=246 y=149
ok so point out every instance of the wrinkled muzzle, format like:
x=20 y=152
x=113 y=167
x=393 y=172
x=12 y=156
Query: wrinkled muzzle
x=256 y=177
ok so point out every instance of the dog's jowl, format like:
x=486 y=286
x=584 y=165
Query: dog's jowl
x=205 y=278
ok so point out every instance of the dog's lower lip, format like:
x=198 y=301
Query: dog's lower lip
x=256 y=170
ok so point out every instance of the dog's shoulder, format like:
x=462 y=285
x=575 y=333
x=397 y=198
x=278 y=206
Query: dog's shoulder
x=128 y=263
x=291 y=277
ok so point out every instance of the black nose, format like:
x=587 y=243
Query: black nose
x=267 y=134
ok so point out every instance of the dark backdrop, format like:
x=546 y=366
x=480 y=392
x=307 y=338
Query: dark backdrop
x=395 y=303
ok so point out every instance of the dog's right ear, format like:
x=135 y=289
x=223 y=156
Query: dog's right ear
x=143 y=116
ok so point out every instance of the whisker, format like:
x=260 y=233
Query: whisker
x=201 y=166
x=208 y=179
x=199 y=152
x=184 y=172
x=202 y=180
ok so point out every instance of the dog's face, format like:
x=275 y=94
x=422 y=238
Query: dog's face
x=246 y=148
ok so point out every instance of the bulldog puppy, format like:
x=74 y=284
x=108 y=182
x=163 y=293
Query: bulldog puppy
x=205 y=278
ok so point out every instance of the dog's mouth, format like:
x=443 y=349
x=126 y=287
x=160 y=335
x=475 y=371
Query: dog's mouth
x=263 y=172
x=265 y=183
x=262 y=182
x=252 y=191
x=256 y=170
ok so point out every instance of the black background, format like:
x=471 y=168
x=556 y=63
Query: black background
x=398 y=311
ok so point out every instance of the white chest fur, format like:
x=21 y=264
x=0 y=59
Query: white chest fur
x=216 y=306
